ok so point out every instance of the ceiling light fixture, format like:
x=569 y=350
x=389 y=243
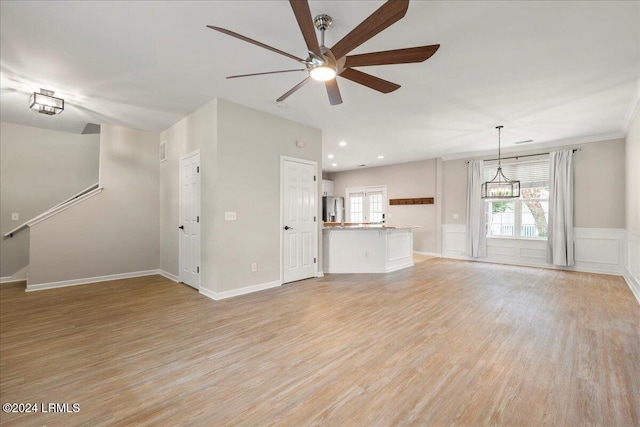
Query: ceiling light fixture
x=381 y=156
x=500 y=187
x=334 y=164
x=342 y=144
x=330 y=156
x=323 y=73
x=45 y=103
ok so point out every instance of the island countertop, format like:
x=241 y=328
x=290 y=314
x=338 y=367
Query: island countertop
x=367 y=227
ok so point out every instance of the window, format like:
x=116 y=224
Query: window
x=526 y=216
x=366 y=204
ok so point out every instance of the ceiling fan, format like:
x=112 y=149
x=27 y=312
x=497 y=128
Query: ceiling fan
x=324 y=64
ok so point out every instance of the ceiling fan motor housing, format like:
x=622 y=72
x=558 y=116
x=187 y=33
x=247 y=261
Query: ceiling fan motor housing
x=322 y=22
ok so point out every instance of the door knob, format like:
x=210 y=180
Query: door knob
x=286 y=227
x=181 y=227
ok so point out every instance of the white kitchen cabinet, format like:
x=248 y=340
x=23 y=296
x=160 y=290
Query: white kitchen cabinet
x=327 y=187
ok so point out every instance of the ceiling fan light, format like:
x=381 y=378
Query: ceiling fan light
x=323 y=73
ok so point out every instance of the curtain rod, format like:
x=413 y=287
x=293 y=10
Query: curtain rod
x=525 y=155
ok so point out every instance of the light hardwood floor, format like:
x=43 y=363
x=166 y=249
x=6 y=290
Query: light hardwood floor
x=443 y=343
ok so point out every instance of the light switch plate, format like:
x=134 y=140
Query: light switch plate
x=15 y=217
x=230 y=216
x=456 y=216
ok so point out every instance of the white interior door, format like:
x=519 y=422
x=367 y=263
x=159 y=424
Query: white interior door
x=189 y=228
x=299 y=220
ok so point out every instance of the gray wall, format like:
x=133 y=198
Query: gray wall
x=414 y=179
x=240 y=150
x=39 y=168
x=599 y=182
x=195 y=132
x=111 y=233
x=599 y=171
x=454 y=191
x=632 y=175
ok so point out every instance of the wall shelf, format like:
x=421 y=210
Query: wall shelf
x=413 y=201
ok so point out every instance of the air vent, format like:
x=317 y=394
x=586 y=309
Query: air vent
x=361 y=166
x=524 y=142
x=163 y=151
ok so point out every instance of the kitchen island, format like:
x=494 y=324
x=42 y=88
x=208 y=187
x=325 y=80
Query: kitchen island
x=366 y=248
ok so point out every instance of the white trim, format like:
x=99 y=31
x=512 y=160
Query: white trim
x=632 y=262
x=169 y=276
x=240 y=291
x=634 y=286
x=320 y=274
x=633 y=107
x=428 y=254
x=598 y=250
x=9 y=279
x=542 y=146
x=88 y=280
x=19 y=276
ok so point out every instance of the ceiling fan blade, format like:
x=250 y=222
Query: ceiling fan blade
x=389 y=13
x=305 y=21
x=333 y=91
x=396 y=56
x=293 y=89
x=257 y=43
x=268 y=72
x=368 y=80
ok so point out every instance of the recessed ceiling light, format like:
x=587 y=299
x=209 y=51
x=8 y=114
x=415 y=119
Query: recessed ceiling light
x=334 y=164
x=342 y=144
x=381 y=156
x=330 y=156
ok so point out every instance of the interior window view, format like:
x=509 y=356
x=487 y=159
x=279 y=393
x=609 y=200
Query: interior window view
x=527 y=215
x=320 y=213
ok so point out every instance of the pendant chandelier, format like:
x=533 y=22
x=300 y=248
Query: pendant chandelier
x=500 y=187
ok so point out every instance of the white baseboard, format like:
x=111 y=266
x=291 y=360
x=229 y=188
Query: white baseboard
x=320 y=274
x=428 y=254
x=19 y=276
x=89 y=280
x=632 y=263
x=169 y=276
x=240 y=291
x=634 y=286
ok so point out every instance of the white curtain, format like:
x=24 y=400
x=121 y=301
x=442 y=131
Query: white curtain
x=476 y=228
x=560 y=250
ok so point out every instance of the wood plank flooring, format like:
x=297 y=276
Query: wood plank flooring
x=443 y=343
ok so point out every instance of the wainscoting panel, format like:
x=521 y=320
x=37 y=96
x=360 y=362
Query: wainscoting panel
x=453 y=240
x=598 y=250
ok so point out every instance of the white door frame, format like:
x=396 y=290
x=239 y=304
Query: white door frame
x=315 y=230
x=180 y=241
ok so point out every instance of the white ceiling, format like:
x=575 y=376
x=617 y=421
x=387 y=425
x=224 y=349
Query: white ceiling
x=550 y=71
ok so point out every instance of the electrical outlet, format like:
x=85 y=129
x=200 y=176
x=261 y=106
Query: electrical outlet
x=230 y=216
x=254 y=267
x=15 y=216
x=456 y=216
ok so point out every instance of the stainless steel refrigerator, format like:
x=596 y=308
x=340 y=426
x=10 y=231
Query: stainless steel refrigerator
x=333 y=209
